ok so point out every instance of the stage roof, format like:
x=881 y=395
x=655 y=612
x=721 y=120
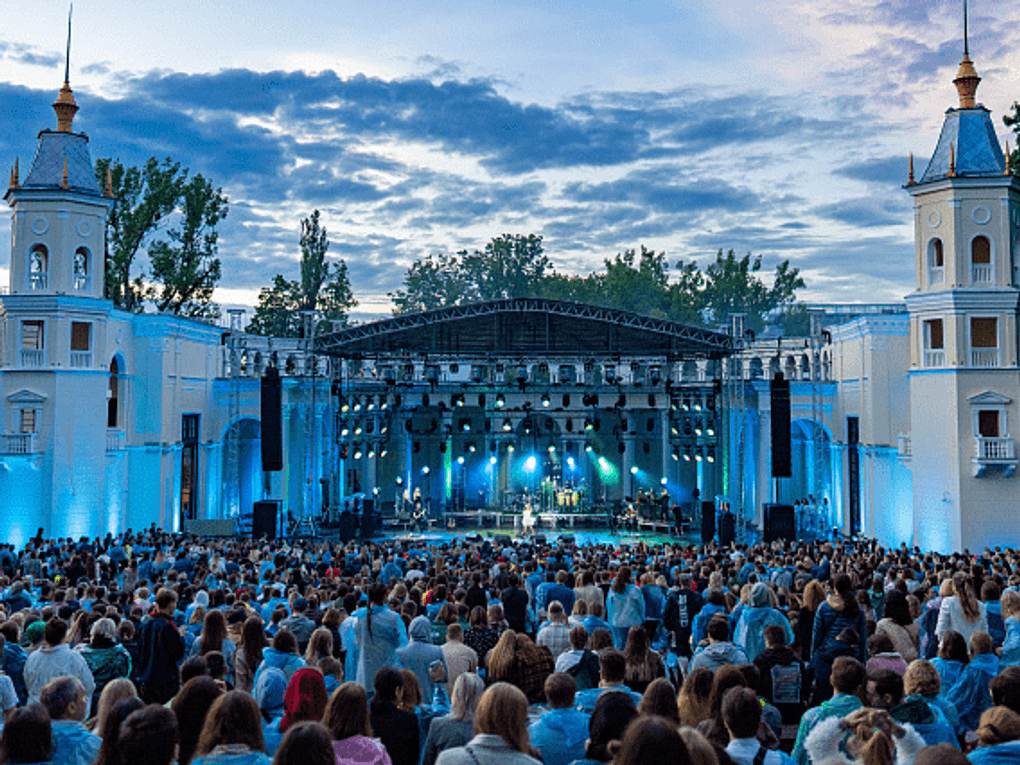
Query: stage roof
x=526 y=327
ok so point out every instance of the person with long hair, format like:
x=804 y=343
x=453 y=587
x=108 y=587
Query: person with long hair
x=694 y=699
x=115 y=692
x=456 y=728
x=232 y=734
x=652 y=739
x=397 y=729
x=643 y=664
x=951 y=659
x=248 y=655
x=348 y=721
x=191 y=706
x=962 y=611
x=612 y=714
x=812 y=597
x=501 y=731
x=660 y=699
x=320 y=645
x=378 y=633
x=625 y=606
x=899 y=626
x=838 y=613
x=214 y=638
x=27 y=737
x=307 y=743
x=1011 y=622
x=305 y=698
x=109 y=751
x=875 y=739
x=480 y=637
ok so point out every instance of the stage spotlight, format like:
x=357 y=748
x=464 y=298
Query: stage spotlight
x=507 y=425
x=710 y=456
x=344 y=431
x=382 y=453
x=500 y=400
x=697 y=457
x=687 y=457
x=552 y=449
x=384 y=404
x=472 y=448
x=697 y=404
x=710 y=431
x=633 y=470
x=344 y=406
x=663 y=481
x=492 y=460
x=545 y=399
x=371 y=454
x=399 y=480
x=510 y=449
x=370 y=403
x=570 y=463
x=425 y=470
x=357 y=405
x=676 y=456
x=357 y=430
x=460 y=460
x=588 y=448
x=357 y=453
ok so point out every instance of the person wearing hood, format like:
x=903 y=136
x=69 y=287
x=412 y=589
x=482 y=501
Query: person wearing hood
x=282 y=655
x=885 y=691
x=419 y=654
x=998 y=738
x=106 y=658
x=270 y=692
x=970 y=694
x=715 y=604
x=750 y=631
x=56 y=659
x=560 y=733
x=305 y=698
x=720 y=650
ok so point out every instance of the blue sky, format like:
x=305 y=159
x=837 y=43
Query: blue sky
x=779 y=128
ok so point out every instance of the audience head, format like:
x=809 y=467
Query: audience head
x=232 y=719
x=998 y=725
x=503 y=711
x=741 y=712
x=560 y=689
x=612 y=666
x=652 y=739
x=27 y=736
x=923 y=679
x=612 y=714
x=659 y=699
x=467 y=692
x=305 y=698
x=109 y=730
x=848 y=675
x=884 y=689
x=149 y=737
x=347 y=712
x=116 y=691
x=306 y=743
x=1005 y=688
x=65 y=699
x=191 y=706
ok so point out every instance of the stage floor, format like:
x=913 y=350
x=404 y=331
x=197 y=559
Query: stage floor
x=586 y=537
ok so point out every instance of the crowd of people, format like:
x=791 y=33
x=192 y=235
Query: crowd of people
x=149 y=648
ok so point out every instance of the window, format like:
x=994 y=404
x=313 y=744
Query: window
x=936 y=262
x=32 y=335
x=934 y=343
x=82 y=280
x=81 y=344
x=38 y=267
x=112 y=397
x=984 y=342
x=981 y=260
x=988 y=423
x=27 y=421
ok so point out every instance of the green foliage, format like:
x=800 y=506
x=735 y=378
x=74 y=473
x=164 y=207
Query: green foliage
x=323 y=287
x=795 y=321
x=635 y=280
x=185 y=269
x=144 y=198
x=1012 y=121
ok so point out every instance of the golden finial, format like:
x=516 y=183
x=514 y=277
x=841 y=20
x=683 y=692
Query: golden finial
x=64 y=106
x=967 y=79
x=910 y=174
x=109 y=182
x=16 y=175
x=63 y=183
x=1009 y=165
x=952 y=161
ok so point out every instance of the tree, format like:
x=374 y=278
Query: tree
x=144 y=198
x=1012 y=121
x=733 y=286
x=185 y=269
x=435 y=281
x=323 y=287
x=512 y=265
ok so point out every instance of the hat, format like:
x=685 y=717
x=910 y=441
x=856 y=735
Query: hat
x=34 y=631
x=300 y=604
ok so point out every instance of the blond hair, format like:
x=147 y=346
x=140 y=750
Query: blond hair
x=503 y=711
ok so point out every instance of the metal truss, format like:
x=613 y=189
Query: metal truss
x=675 y=339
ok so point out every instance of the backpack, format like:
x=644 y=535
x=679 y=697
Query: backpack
x=586 y=671
x=787 y=682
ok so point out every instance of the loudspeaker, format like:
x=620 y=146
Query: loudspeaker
x=348 y=526
x=780 y=426
x=263 y=519
x=501 y=540
x=566 y=539
x=707 y=521
x=473 y=536
x=727 y=528
x=272 y=437
x=367 y=518
x=779 y=522
x=540 y=539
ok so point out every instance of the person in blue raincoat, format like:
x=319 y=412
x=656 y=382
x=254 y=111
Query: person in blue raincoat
x=970 y=694
x=998 y=736
x=378 y=633
x=755 y=617
x=625 y=606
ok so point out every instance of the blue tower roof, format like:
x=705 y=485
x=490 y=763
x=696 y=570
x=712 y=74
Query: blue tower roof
x=972 y=136
x=47 y=171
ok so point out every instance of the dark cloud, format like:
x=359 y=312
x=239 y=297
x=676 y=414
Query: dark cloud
x=658 y=191
x=28 y=54
x=885 y=171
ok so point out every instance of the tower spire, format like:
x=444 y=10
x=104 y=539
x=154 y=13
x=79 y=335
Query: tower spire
x=967 y=78
x=64 y=106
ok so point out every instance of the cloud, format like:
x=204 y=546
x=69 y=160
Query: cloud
x=29 y=54
x=885 y=171
x=867 y=212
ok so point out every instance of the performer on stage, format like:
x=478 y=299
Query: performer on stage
x=419 y=511
x=664 y=506
x=528 y=521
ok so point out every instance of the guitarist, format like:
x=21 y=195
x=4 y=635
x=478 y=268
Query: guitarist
x=418 y=511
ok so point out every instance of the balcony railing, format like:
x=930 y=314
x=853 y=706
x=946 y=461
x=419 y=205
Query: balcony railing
x=936 y=275
x=33 y=358
x=115 y=440
x=82 y=283
x=19 y=443
x=904 y=445
x=984 y=358
x=994 y=454
x=934 y=359
x=981 y=273
x=38 y=281
x=81 y=359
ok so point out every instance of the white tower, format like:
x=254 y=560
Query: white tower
x=964 y=386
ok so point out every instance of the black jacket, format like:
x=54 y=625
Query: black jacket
x=160 y=647
x=398 y=731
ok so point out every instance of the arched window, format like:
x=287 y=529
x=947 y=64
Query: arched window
x=112 y=398
x=981 y=260
x=82 y=270
x=38 y=267
x=936 y=262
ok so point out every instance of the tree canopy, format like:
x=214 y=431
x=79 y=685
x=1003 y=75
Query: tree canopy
x=323 y=287
x=639 y=280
